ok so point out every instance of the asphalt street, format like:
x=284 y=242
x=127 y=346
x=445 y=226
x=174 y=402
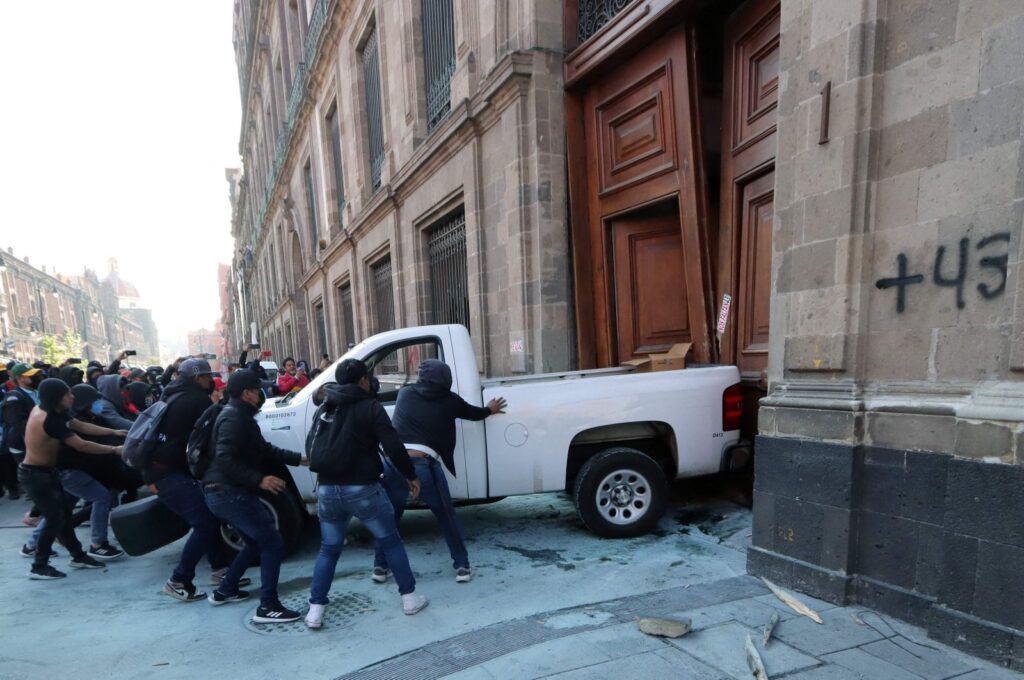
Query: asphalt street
x=530 y=555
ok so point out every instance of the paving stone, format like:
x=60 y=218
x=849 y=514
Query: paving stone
x=990 y=674
x=812 y=602
x=547 y=658
x=475 y=673
x=829 y=672
x=868 y=665
x=931 y=664
x=621 y=640
x=838 y=632
x=666 y=663
x=722 y=647
x=748 y=612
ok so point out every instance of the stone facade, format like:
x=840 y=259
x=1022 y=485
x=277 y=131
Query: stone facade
x=890 y=467
x=304 y=243
x=35 y=303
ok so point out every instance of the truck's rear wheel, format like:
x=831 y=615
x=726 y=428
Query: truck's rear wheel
x=620 y=493
x=287 y=518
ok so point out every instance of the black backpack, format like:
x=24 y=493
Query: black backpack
x=328 y=444
x=200 y=449
x=145 y=435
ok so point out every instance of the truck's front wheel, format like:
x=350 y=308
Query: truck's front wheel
x=620 y=493
x=287 y=515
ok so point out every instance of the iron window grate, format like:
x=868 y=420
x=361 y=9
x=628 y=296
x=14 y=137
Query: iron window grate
x=594 y=14
x=374 y=119
x=383 y=295
x=437 y=24
x=449 y=280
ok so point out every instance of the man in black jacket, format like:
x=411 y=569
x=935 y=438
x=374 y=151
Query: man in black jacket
x=425 y=416
x=235 y=477
x=349 y=485
x=17 y=405
x=187 y=397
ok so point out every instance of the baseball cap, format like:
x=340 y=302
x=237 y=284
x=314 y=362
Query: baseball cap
x=190 y=368
x=19 y=370
x=243 y=380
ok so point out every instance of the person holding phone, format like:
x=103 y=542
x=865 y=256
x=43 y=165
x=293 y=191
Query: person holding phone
x=292 y=378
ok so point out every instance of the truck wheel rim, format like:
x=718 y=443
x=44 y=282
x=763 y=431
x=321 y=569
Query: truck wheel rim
x=233 y=538
x=623 y=497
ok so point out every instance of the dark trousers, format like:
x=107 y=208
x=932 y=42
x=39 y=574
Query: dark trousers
x=184 y=496
x=42 y=484
x=244 y=511
x=9 y=473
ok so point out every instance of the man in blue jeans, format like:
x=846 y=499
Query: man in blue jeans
x=349 y=471
x=425 y=420
x=231 y=486
x=168 y=474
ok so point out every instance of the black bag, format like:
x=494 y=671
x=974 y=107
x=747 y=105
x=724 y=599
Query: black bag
x=199 y=452
x=328 y=442
x=144 y=436
x=146 y=525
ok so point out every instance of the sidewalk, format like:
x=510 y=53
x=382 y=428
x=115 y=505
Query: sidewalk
x=602 y=641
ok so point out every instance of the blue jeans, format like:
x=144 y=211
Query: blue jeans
x=81 y=485
x=245 y=511
x=184 y=496
x=435 y=495
x=337 y=504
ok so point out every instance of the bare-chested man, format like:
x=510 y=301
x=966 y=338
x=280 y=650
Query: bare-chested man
x=50 y=427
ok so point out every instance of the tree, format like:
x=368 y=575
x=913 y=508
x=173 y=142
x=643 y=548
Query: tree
x=57 y=350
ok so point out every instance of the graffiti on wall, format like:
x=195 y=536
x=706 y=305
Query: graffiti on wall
x=952 y=268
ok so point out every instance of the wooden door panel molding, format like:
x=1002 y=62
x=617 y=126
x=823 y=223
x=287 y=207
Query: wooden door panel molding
x=755 y=273
x=650 y=285
x=636 y=138
x=754 y=55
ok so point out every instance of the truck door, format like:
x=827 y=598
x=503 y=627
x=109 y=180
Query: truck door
x=395 y=366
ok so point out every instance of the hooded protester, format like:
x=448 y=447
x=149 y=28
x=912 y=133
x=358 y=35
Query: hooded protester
x=140 y=395
x=349 y=470
x=50 y=431
x=187 y=398
x=111 y=472
x=71 y=375
x=18 y=403
x=111 y=401
x=93 y=372
x=424 y=418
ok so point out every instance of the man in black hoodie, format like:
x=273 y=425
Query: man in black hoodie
x=187 y=397
x=349 y=476
x=235 y=477
x=425 y=420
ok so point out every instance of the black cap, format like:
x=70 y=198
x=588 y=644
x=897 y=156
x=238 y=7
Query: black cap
x=350 y=371
x=239 y=381
x=51 y=391
x=85 y=395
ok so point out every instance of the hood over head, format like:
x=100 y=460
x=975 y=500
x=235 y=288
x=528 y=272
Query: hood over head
x=435 y=379
x=51 y=391
x=109 y=387
x=72 y=375
x=85 y=395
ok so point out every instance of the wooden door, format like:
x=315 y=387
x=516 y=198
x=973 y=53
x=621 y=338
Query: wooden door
x=645 y=249
x=650 y=286
x=750 y=102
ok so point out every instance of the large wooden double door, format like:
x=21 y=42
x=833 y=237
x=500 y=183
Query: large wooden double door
x=655 y=250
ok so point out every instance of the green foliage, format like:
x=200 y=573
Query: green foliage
x=56 y=350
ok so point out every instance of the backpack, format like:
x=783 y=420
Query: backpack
x=145 y=434
x=328 y=444
x=200 y=450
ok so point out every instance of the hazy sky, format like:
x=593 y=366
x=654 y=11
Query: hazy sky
x=117 y=120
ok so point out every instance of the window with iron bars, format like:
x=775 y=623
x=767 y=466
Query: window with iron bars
x=374 y=118
x=334 y=130
x=314 y=229
x=347 y=317
x=438 y=26
x=594 y=14
x=449 y=282
x=383 y=295
x=321 y=326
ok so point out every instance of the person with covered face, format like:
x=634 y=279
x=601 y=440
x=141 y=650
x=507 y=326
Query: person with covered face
x=18 y=403
x=424 y=417
x=50 y=431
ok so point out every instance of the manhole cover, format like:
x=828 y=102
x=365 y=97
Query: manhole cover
x=343 y=610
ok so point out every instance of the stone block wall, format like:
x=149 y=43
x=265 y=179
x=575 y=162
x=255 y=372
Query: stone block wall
x=891 y=438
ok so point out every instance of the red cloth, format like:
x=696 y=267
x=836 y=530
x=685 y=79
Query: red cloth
x=287 y=382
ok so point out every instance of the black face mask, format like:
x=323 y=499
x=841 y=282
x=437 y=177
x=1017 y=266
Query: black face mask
x=263 y=400
x=35 y=380
x=374 y=386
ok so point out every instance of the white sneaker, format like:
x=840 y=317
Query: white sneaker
x=315 y=616
x=463 y=575
x=413 y=603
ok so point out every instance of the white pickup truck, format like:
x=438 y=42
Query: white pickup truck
x=612 y=437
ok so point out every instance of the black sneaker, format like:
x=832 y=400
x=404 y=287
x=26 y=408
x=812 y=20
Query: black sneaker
x=277 y=613
x=186 y=592
x=218 y=598
x=217 y=575
x=105 y=552
x=31 y=552
x=45 y=573
x=83 y=561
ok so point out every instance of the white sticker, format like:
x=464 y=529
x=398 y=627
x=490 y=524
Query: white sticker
x=516 y=346
x=723 y=316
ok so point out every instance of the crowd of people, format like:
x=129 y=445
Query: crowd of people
x=63 y=438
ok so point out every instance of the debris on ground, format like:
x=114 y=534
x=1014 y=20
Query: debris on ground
x=773 y=621
x=754 y=660
x=791 y=600
x=670 y=628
